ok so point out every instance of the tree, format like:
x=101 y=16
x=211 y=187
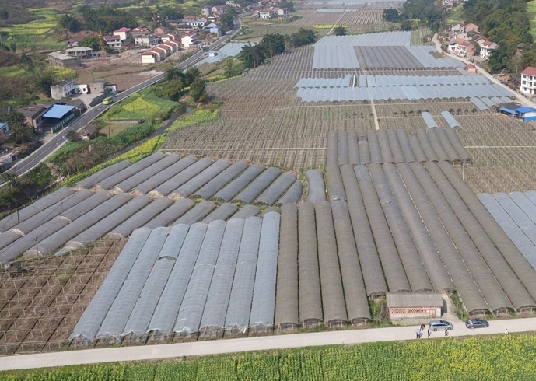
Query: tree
x=227 y=21
x=69 y=23
x=173 y=89
x=406 y=25
x=340 y=30
x=391 y=15
x=499 y=59
x=191 y=75
x=19 y=131
x=301 y=37
x=72 y=136
x=229 y=67
x=91 y=42
x=273 y=44
x=198 y=90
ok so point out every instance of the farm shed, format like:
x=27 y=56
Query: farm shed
x=414 y=305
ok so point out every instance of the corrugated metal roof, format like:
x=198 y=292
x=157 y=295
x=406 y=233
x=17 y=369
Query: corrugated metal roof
x=58 y=111
x=414 y=299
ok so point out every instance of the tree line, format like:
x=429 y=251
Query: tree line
x=273 y=44
x=506 y=23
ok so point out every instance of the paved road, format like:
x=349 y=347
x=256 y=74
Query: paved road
x=46 y=149
x=203 y=348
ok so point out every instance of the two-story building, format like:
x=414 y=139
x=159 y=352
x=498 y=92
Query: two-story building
x=143 y=36
x=282 y=13
x=33 y=114
x=189 y=39
x=123 y=33
x=528 y=81
x=113 y=42
x=63 y=89
x=486 y=47
x=83 y=52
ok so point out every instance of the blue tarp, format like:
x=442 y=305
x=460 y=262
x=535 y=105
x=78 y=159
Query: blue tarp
x=58 y=111
x=524 y=110
x=509 y=111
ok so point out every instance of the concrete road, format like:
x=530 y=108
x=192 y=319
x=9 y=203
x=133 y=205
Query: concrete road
x=203 y=348
x=53 y=144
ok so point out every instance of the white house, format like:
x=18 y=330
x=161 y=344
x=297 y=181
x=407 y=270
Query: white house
x=123 y=33
x=188 y=40
x=150 y=57
x=528 y=81
x=282 y=13
x=63 y=89
x=113 y=42
x=214 y=29
x=144 y=36
x=486 y=48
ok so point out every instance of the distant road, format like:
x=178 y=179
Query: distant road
x=46 y=149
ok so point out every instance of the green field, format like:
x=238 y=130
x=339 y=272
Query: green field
x=143 y=105
x=498 y=358
x=531 y=11
x=35 y=33
x=455 y=15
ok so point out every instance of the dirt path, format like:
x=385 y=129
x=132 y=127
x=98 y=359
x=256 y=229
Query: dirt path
x=202 y=348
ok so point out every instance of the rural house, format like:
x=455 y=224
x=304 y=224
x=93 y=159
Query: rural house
x=144 y=36
x=188 y=40
x=60 y=59
x=266 y=14
x=199 y=24
x=528 y=81
x=123 y=33
x=34 y=115
x=282 y=13
x=63 y=89
x=486 y=47
x=113 y=42
x=206 y=11
x=414 y=305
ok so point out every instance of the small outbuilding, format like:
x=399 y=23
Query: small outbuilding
x=414 y=305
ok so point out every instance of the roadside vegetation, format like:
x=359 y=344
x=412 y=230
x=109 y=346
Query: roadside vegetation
x=487 y=358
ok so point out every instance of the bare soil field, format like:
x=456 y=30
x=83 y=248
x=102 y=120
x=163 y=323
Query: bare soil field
x=42 y=299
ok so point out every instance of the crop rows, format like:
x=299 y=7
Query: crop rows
x=42 y=299
x=357 y=17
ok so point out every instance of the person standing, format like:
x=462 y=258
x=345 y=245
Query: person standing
x=429 y=332
x=418 y=333
x=446 y=331
x=506 y=331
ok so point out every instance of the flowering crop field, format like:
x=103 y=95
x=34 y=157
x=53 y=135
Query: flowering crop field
x=34 y=33
x=498 y=358
x=143 y=105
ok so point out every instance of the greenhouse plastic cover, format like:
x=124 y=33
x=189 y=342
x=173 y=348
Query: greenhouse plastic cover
x=238 y=311
x=263 y=306
x=91 y=319
x=194 y=299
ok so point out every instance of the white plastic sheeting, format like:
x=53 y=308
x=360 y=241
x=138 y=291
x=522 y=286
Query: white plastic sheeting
x=222 y=280
x=88 y=325
x=168 y=306
x=117 y=316
x=263 y=305
x=237 y=318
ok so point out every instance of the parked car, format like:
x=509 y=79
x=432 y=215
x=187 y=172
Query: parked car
x=440 y=325
x=476 y=323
